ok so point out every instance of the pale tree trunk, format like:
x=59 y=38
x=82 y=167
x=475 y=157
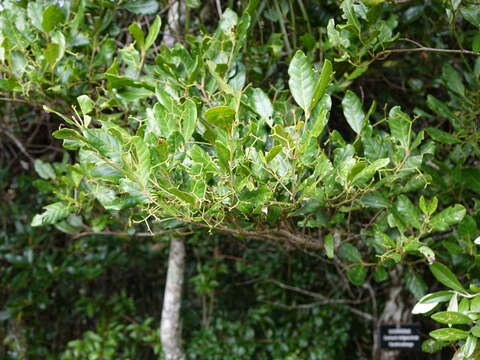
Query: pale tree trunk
x=395 y=312
x=171 y=327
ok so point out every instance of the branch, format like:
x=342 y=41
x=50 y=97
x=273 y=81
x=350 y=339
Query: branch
x=323 y=299
x=386 y=53
x=119 y=233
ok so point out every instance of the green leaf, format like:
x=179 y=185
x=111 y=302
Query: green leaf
x=428 y=208
x=472 y=14
x=432 y=346
x=66 y=119
x=69 y=134
x=86 y=104
x=448 y=334
x=301 y=81
x=53 y=213
x=329 y=244
x=143 y=158
x=262 y=105
x=35 y=14
x=349 y=14
x=442 y=110
x=44 y=170
x=399 y=124
x=52 y=16
x=415 y=284
x=453 y=80
x=475 y=330
x=407 y=212
x=475 y=305
x=221 y=116
x=450 y=216
x=352 y=109
x=189 y=119
x=469 y=346
x=442 y=136
x=256 y=197
x=357 y=274
x=451 y=317
x=182 y=195
x=141 y=7
x=368 y=172
x=437 y=297
x=274 y=151
x=349 y=252
x=52 y=54
x=223 y=154
x=321 y=83
x=445 y=276
x=153 y=32
x=137 y=33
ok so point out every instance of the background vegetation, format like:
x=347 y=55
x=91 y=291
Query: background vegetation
x=308 y=219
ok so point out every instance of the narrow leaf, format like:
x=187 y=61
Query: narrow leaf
x=322 y=83
x=445 y=276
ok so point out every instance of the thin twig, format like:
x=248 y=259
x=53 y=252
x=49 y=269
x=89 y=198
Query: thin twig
x=386 y=53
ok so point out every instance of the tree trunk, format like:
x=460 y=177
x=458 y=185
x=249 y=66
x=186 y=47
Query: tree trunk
x=171 y=327
x=395 y=312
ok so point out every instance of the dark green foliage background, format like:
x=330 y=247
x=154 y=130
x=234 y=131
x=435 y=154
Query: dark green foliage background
x=67 y=294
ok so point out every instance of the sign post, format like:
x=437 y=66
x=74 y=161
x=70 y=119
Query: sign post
x=400 y=337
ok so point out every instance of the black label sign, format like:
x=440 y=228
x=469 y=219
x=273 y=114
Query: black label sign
x=400 y=337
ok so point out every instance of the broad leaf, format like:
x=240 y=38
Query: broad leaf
x=400 y=126
x=450 y=216
x=352 y=109
x=301 y=81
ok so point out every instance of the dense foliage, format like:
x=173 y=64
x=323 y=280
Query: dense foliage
x=340 y=178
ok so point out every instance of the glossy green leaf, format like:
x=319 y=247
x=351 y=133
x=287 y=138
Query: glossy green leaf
x=262 y=105
x=450 y=317
x=69 y=134
x=273 y=153
x=221 y=116
x=368 y=172
x=223 y=154
x=329 y=244
x=400 y=126
x=353 y=112
x=53 y=213
x=141 y=7
x=448 y=217
x=453 y=80
x=52 y=16
x=449 y=334
x=189 y=119
x=437 y=297
x=143 y=158
x=322 y=83
x=86 y=104
x=137 y=33
x=442 y=136
x=445 y=276
x=407 y=212
x=469 y=346
x=52 y=54
x=349 y=252
x=153 y=32
x=301 y=81
x=357 y=274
